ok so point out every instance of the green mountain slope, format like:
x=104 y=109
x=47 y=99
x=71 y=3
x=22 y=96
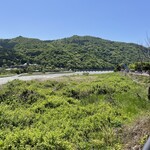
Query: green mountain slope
x=76 y=52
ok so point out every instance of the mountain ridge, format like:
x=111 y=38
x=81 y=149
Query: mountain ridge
x=75 y=52
x=73 y=36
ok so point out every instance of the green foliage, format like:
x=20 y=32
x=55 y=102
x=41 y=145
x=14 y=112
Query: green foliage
x=76 y=53
x=140 y=66
x=117 y=68
x=78 y=112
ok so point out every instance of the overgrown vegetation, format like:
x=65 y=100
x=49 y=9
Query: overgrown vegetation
x=141 y=67
x=77 y=112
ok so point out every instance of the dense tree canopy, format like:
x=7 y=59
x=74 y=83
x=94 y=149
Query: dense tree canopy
x=76 y=52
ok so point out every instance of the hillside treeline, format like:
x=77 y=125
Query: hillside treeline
x=76 y=52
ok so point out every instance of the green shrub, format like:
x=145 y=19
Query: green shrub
x=81 y=112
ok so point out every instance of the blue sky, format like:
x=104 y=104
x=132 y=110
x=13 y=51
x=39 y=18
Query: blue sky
x=118 y=20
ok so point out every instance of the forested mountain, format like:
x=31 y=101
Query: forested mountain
x=76 y=52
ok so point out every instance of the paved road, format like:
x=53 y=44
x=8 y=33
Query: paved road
x=140 y=74
x=4 y=80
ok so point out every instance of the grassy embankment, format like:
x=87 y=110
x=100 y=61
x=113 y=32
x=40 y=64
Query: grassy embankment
x=77 y=112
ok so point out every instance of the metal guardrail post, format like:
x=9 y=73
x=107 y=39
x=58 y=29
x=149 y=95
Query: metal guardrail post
x=147 y=145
